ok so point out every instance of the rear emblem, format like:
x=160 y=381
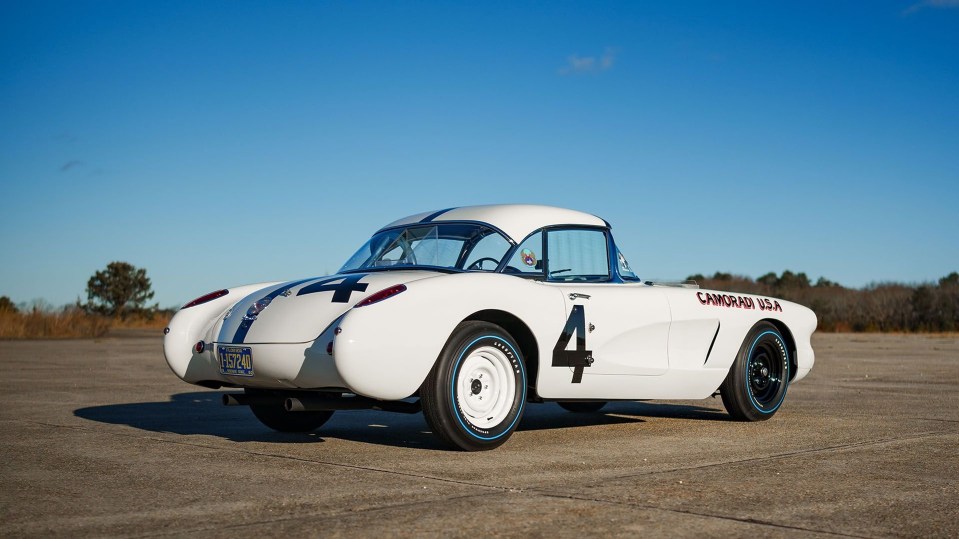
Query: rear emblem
x=257 y=308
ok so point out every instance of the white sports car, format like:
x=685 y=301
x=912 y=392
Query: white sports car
x=469 y=313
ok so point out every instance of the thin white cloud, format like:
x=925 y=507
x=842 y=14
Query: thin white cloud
x=71 y=165
x=609 y=56
x=589 y=64
x=936 y=4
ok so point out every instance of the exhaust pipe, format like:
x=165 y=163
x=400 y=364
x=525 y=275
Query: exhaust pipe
x=246 y=399
x=309 y=403
x=318 y=402
x=234 y=399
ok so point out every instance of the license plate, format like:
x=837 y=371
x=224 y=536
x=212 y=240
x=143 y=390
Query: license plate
x=235 y=360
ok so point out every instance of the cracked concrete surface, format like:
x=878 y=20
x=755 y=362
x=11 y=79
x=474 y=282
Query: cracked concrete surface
x=100 y=439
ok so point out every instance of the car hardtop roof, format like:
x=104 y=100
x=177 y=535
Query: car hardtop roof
x=516 y=220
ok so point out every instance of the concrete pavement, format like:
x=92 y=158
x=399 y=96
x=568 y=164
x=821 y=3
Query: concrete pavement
x=100 y=439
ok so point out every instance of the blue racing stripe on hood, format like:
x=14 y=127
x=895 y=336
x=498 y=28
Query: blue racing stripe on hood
x=245 y=325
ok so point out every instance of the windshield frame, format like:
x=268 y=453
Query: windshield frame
x=443 y=269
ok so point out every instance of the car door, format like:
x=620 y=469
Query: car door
x=612 y=328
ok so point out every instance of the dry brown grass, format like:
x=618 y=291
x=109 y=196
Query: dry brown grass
x=37 y=324
x=72 y=324
x=157 y=320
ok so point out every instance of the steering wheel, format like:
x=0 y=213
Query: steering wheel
x=478 y=263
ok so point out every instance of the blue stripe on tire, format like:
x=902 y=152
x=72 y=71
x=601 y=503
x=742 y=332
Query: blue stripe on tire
x=785 y=378
x=459 y=361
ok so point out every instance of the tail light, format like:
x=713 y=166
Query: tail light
x=203 y=299
x=386 y=293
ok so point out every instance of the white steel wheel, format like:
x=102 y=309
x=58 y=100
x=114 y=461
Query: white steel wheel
x=486 y=387
x=475 y=394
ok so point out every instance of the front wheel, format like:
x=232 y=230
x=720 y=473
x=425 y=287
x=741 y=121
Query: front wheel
x=475 y=394
x=756 y=384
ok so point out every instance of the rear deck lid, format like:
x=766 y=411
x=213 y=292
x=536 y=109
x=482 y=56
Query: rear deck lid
x=298 y=311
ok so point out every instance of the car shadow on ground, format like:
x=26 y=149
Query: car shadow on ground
x=202 y=413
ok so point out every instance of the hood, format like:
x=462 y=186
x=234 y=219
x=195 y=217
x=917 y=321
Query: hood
x=298 y=311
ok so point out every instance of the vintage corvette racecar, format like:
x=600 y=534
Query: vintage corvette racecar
x=470 y=313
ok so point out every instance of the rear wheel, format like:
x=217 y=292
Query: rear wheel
x=275 y=416
x=756 y=384
x=580 y=407
x=475 y=394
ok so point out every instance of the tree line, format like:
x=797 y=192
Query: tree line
x=117 y=296
x=121 y=291
x=926 y=307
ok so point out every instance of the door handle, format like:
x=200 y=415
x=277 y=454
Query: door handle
x=574 y=295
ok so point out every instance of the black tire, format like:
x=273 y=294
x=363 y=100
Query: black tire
x=757 y=381
x=275 y=416
x=453 y=392
x=582 y=407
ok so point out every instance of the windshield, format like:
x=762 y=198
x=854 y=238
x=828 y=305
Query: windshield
x=456 y=246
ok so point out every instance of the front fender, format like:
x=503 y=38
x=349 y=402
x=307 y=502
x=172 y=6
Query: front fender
x=734 y=319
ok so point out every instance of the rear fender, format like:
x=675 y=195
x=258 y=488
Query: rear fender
x=387 y=349
x=194 y=324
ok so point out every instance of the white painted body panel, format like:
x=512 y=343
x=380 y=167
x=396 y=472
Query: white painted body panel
x=650 y=343
x=301 y=316
x=385 y=353
x=194 y=324
x=647 y=342
x=630 y=327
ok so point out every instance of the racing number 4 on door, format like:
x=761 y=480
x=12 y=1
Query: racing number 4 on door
x=581 y=357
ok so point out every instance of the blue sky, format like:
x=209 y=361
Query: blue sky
x=223 y=143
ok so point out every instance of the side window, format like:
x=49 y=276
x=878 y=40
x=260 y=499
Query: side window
x=396 y=250
x=528 y=258
x=487 y=254
x=625 y=271
x=432 y=250
x=577 y=255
